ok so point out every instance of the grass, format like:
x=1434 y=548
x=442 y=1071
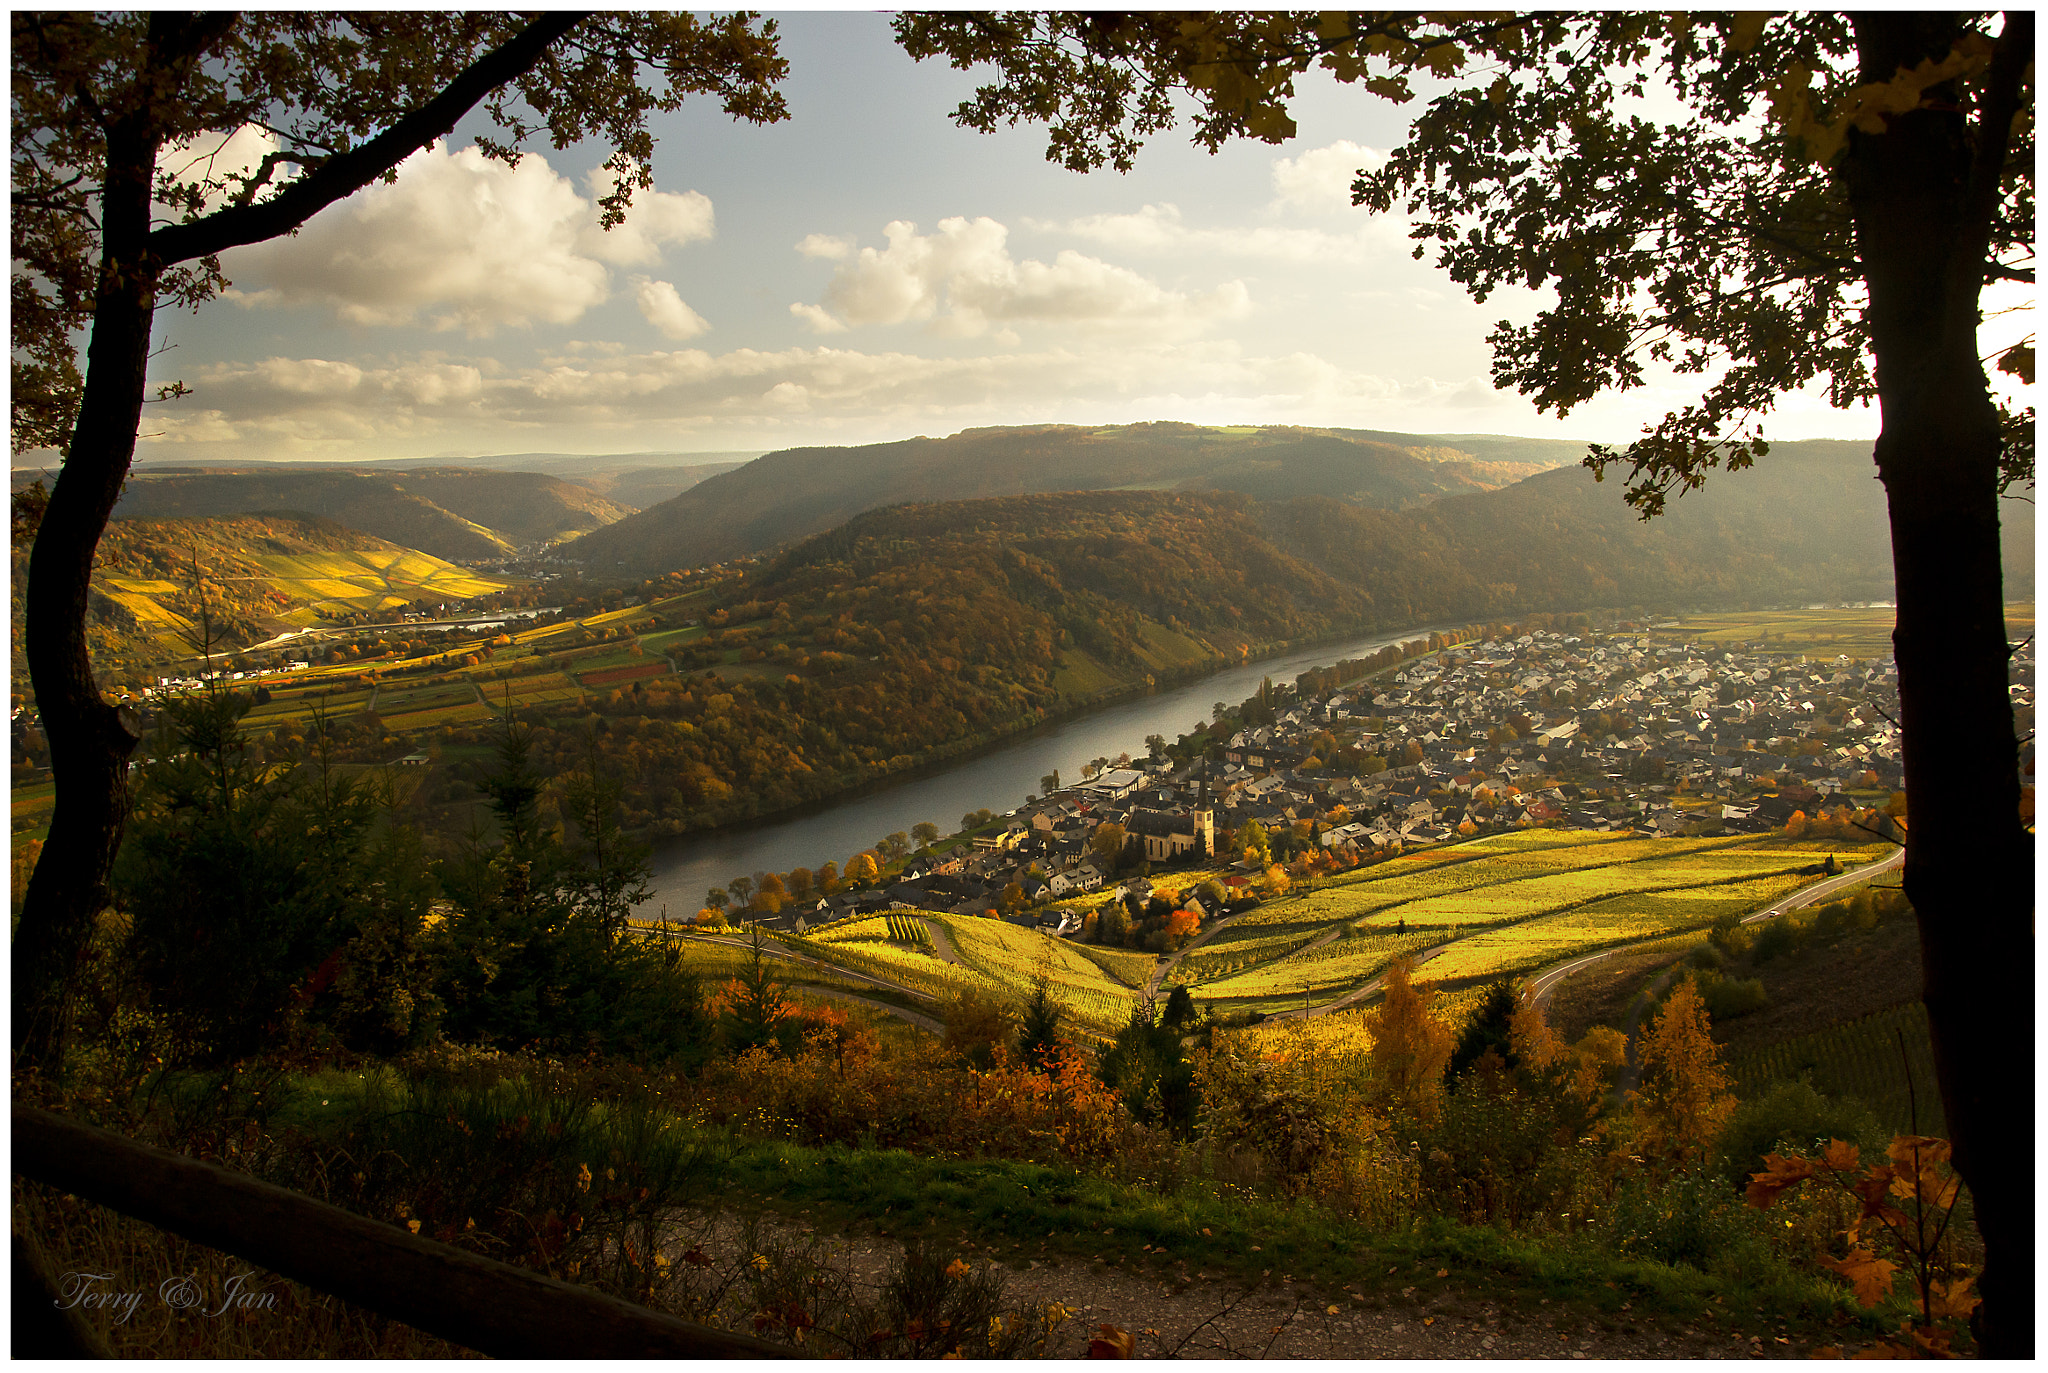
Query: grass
x=1059 y=1212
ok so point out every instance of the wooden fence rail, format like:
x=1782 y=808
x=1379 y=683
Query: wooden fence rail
x=469 y=1300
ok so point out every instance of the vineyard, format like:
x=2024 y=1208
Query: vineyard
x=1863 y=1059
x=1011 y=958
x=1504 y=906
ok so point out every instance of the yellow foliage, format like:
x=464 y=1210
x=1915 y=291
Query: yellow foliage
x=1410 y=1047
x=1684 y=1100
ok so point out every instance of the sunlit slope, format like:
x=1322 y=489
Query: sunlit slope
x=1505 y=905
x=261 y=574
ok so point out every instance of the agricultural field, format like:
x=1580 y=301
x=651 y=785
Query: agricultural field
x=1533 y=944
x=663 y=640
x=1859 y=633
x=1859 y=1058
x=1010 y=957
x=633 y=670
x=857 y=927
x=397 y=702
x=1521 y=906
x=1131 y=967
x=916 y=971
x=1324 y=972
x=717 y=963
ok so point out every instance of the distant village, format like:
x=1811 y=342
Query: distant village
x=1474 y=739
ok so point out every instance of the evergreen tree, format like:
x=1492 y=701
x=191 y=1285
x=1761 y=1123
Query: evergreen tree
x=1150 y=1071
x=1489 y=1028
x=756 y=1015
x=253 y=884
x=1038 y=1037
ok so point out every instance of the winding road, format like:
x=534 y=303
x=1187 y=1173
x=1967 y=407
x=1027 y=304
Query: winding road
x=1544 y=983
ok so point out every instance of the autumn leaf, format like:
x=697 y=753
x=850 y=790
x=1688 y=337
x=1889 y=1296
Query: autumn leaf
x=1780 y=1174
x=1952 y=1298
x=957 y=1268
x=1871 y=1276
x=1840 y=1155
x=1112 y=1343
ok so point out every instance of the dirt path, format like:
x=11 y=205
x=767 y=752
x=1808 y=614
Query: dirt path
x=942 y=945
x=1174 y=1311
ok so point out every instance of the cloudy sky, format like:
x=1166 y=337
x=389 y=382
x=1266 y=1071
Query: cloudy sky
x=864 y=271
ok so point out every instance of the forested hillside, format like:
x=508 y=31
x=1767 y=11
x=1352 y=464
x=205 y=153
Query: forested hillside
x=801 y=491
x=916 y=632
x=458 y=514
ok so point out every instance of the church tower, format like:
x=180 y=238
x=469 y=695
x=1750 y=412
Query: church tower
x=1205 y=821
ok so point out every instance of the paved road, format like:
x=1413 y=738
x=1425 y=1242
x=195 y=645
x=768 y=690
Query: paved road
x=1547 y=981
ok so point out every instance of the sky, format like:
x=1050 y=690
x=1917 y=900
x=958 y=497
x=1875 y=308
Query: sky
x=865 y=271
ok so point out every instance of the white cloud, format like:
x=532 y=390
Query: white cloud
x=392 y=405
x=1161 y=229
x=826 y=246
x=459 y=241
x=962 y=282
x=220 y=157
x=655 y=218
x=665 y=310
x=1320 y=179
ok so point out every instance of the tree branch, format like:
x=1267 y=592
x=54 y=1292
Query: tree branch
x=2002 y=85
x=347 y=173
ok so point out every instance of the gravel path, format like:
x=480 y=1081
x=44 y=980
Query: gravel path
x=1175 y=1312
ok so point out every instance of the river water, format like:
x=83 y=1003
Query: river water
x=686 y=868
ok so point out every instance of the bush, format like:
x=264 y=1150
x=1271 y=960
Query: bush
x=1706 y=957
x=1777 y=937
x=1790 y=1116
x=1691 y=1220
x=1728 y=998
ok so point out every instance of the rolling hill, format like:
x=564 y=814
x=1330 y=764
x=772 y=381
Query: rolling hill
x=785 y=496
x=262 y=573
x=454 y=513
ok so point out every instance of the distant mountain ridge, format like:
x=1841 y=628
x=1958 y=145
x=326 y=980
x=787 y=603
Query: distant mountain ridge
x=458 y=514
x=788 y=495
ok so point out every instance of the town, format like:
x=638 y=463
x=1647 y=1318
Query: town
x=1615 y=732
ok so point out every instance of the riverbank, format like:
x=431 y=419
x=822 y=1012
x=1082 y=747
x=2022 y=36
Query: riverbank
x=997 y=776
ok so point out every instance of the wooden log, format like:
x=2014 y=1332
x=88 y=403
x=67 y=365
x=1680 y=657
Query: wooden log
x=469 y=1300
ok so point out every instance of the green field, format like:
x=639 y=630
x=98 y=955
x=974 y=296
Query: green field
x=1859 y=633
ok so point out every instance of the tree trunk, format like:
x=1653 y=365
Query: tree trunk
x=89 y=740
x=1969 y=867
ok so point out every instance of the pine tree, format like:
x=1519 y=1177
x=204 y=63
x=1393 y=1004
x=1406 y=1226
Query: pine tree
x=755 y=1014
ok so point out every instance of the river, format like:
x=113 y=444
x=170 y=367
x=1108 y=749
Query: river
x=686 y=868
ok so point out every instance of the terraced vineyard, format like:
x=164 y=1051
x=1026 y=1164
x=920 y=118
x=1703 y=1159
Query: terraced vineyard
x=915 y=971
x=1506 y=905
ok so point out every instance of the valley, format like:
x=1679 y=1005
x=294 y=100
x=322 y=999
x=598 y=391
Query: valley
x=1403 y=774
